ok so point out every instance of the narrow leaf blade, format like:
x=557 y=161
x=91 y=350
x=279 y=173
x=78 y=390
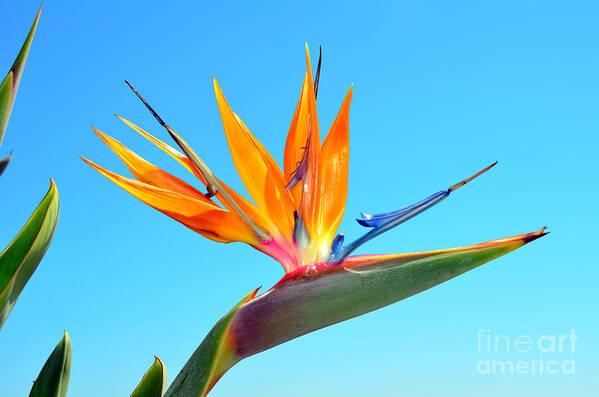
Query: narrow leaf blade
x=153 y=383
x=19 y=260
x=53 y=380
x=10 y=84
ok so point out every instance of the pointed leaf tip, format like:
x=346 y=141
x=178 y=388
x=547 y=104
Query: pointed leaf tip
x=153 y=383
x=53 y=380
x=19 y=63
x=10 y=84
x=535 y=235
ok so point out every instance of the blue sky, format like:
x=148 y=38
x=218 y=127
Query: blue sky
x=441 y=89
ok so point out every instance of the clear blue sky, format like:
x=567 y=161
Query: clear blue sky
x=441 y=89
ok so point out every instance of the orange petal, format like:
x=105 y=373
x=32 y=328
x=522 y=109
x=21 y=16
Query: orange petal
x=174 y=153
x=311 y=188
x=334 y=163
x=258 y=216
x=263 y=181
x=273 y=168
x=205 y=219
x=296 y=140
x=148 y=173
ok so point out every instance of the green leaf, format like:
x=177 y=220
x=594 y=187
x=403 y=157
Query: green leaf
x=53 y=380
x=10 y=84
x=309 y=299
x=19 y=260
x=6 y=101
x=153 y=383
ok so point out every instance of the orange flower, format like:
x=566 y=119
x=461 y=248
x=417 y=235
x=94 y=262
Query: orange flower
x=294 y=214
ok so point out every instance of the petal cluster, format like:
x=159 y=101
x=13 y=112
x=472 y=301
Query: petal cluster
x=305 y=198
x=294 y=212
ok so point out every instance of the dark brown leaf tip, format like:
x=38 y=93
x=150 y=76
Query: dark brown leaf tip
x=535 y=235
x=317 y=78
x=156 y=116
x=470 y=178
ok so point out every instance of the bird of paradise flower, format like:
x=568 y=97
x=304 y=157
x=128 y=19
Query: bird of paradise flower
x=293 y=217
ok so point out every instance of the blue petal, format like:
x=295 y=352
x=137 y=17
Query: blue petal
x=376 y=220
x=380 y=223
x=336 y=245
